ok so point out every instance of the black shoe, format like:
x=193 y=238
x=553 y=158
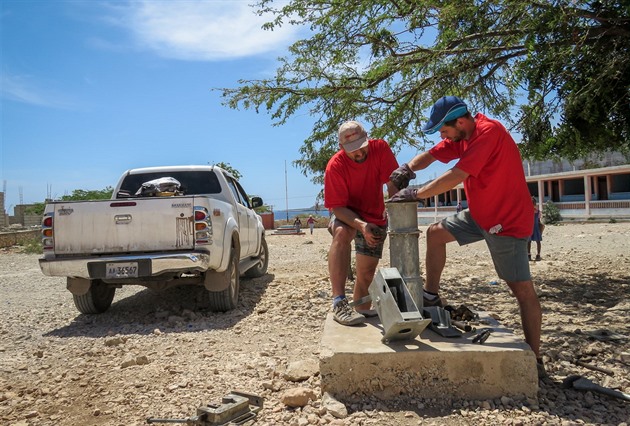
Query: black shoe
x=435 y=302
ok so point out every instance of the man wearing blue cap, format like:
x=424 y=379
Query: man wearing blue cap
x=499 y=204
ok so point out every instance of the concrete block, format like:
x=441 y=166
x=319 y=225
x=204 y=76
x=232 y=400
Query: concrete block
x=355 y=363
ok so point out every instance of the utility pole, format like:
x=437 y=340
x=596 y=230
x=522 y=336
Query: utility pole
x=286 y=190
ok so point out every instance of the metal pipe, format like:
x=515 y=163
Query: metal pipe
x=403 y=246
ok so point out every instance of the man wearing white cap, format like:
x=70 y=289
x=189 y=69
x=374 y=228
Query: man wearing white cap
x=499 y=204
x=353 y=191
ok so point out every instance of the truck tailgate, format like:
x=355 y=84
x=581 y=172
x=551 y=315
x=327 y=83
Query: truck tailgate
x=124 y=226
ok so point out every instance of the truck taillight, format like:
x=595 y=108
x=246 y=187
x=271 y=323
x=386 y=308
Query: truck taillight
x=48 y=233
x=203 y=226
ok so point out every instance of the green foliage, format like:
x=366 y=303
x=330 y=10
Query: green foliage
x=551 y=213
x=228 y=168
x=262 y=209
x=386 y=62
x=32 y=246
x=612 y=220
x=36 y=209
x=83 y=195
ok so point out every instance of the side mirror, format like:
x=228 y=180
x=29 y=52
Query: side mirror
x=257 y=202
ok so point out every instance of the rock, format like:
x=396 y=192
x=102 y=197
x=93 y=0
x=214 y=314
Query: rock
x=297 y=397
x=142 y=360
x=333 y=406
x=299 y=371
x=273 y=385
x=128 y=363
x=115 y=341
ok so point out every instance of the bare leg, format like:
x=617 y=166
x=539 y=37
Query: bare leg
x=350 y=272
x=339 y=257
x=366 y=267
x=531 y=314
x=437 y=238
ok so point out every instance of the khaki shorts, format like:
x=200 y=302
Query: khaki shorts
x=360 y=245
x=509 y=254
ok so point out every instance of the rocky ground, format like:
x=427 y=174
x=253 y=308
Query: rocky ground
x=155 y=354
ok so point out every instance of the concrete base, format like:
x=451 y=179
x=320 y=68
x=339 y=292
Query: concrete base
x=354 y=363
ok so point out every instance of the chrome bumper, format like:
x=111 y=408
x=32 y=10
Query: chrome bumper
x=159 y=264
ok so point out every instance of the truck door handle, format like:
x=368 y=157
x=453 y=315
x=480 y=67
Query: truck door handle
x=122 y=219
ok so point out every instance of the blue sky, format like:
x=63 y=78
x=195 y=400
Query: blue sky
x=90 y=89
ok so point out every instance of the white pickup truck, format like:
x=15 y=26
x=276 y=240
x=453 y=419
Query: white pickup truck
x=163 y=226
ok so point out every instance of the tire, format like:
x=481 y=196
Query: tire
x=261 y=268
x=97 y=300
x=226 y=300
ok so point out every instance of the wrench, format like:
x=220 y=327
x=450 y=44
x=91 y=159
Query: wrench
x=582 y=383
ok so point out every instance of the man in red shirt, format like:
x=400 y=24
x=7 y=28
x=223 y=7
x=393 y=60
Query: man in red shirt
x=353 y=192
x=499 y=204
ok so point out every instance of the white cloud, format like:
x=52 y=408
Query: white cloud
x=20 y=88
x=205 y=30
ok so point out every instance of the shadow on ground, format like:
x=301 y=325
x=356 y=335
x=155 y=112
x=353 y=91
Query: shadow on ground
x=174 y=310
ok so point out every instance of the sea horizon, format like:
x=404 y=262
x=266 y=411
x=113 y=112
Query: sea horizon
x=292 y=213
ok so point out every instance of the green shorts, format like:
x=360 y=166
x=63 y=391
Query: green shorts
x=509 y=254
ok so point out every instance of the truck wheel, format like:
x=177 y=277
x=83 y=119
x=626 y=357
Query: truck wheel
x=222 y=301
x=97 y=300
x=261 y=267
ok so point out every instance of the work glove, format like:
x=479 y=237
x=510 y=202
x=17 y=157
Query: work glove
x=404 y=195
x=401 y=176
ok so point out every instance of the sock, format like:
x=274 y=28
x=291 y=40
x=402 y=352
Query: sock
x=429 y=296
x=338 y=299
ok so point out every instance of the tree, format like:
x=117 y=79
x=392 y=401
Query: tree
x=557 y=71
x=228 y=168
x=94 y=194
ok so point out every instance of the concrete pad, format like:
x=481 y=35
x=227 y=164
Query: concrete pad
x=355 y=363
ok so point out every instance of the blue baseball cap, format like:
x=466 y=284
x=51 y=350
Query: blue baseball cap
x=445 y=109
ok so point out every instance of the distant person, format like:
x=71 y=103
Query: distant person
x=499 y=204
x=353 y=191
x=297 y=224
x=311 y=223
x=536 y=232
x=459 y=207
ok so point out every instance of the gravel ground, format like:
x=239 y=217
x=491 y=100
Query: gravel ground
x=155 y=354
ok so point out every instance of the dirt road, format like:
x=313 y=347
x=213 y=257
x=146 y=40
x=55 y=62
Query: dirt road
x=155 y=354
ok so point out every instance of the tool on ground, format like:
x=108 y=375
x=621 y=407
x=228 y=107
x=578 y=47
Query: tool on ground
x=463 y=326
x=395 y=308
x=441 y=322
x=594 y=367
x=462 y=313
x=482 y=336
x=582 y=383
x=236 y=408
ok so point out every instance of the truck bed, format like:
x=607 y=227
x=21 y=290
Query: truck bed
x=124 y=225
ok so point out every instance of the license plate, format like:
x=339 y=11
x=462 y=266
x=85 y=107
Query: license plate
x=121 y=270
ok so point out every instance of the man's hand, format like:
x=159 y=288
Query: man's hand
x=401 y=176
x=407 y=194
x=373 y=234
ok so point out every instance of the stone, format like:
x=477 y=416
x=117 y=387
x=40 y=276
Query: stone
x=297 y=397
